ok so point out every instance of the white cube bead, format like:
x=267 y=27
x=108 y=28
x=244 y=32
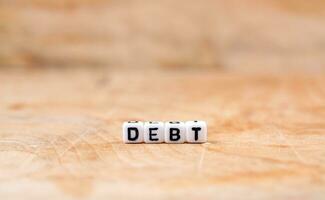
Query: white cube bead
x=154 y=132
x=196 y=131
x=133 y=132
x=175 y=132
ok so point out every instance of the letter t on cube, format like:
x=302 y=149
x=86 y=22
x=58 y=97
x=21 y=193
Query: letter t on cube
x=196 y=131
x=133 y=132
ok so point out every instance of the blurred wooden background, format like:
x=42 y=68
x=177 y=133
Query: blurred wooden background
x=264 y=35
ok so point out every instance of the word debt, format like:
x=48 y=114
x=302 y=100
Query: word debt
x=169 y=132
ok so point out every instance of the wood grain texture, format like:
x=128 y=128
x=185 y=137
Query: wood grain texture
x=60 y=135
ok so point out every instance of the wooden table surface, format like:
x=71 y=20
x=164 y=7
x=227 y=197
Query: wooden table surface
x=60 y=135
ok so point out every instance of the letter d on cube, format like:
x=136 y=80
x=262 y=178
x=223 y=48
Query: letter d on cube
x=133 y=132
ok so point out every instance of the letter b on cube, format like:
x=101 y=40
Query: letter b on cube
x=133 y=132
x=175 y=132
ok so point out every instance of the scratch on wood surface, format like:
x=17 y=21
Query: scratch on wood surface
x=71 y=146
x=201 y=160
x=271 y=160
x=118 y=152
x=93 y=131
x=14 y=146
x=30 y=158
x=292 y=147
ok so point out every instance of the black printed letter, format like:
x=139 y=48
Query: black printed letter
x=152 y=134
x=136 y=133
x=196 y=132
x=174 y=134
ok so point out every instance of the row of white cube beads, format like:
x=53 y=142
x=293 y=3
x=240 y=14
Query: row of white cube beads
x=169 y=132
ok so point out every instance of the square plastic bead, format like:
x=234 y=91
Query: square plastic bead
x=175 y=132
x=154 y=132
x=196 y=131
x=133 y=132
